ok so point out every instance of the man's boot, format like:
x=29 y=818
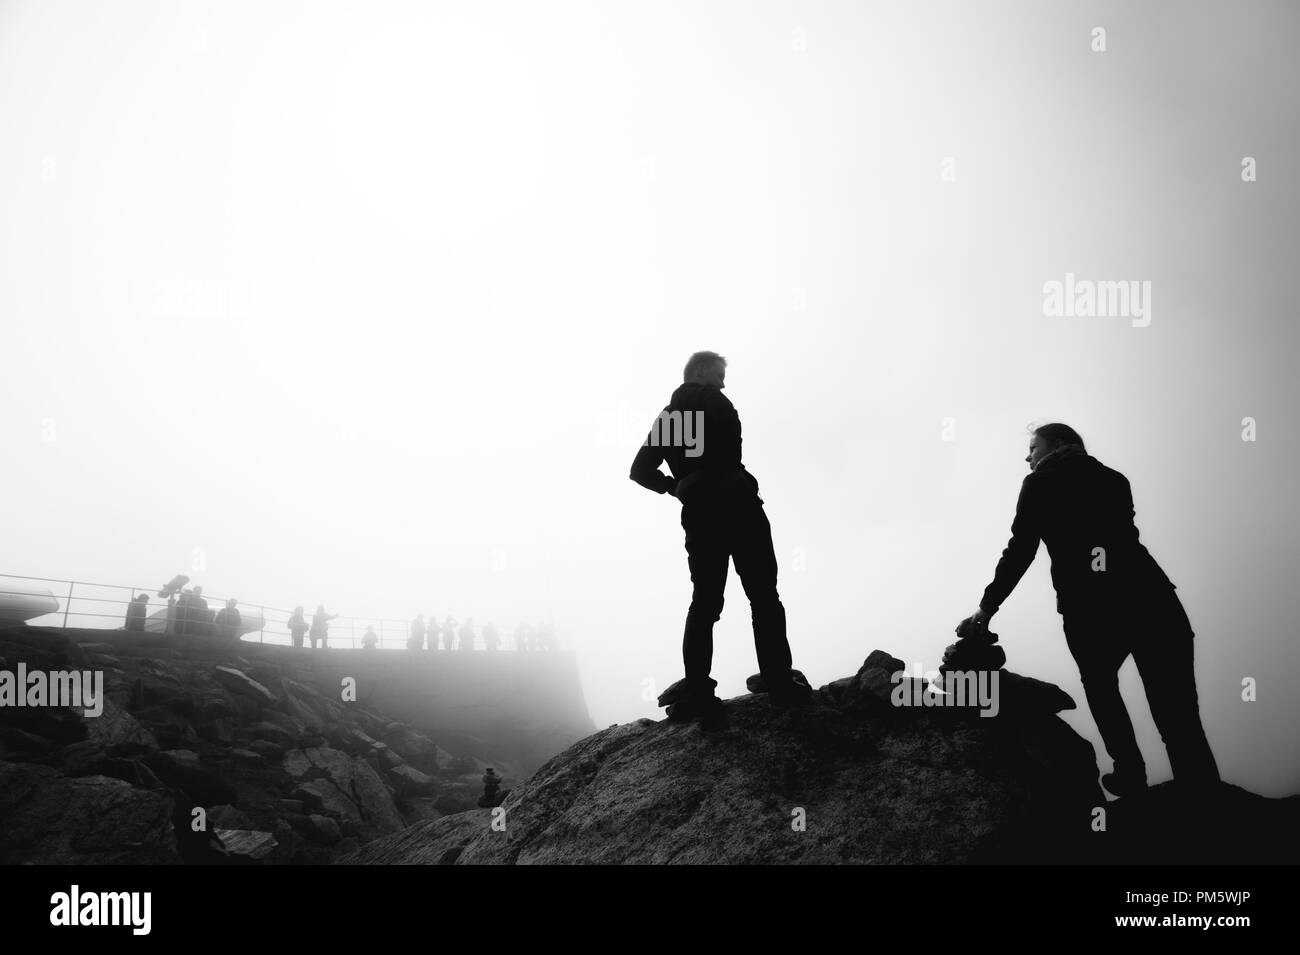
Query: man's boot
x=687 y=700
x=794 y=691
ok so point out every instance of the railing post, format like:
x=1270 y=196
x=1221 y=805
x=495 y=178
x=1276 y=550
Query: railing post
x=68 y=605
x=261 y=633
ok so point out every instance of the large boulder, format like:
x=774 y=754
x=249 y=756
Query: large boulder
x=305 y=704
x=181 y=770
x=347 y=786
x=431 y=842
x=115 y=725
x=409 y=781
x=240 y=683
x=51 y=819
x=829 y=782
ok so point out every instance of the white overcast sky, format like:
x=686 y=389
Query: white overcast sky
x=371 y=304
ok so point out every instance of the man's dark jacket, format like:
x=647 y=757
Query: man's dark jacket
x=716 y=470
x=229 y=620
x=1075 y=505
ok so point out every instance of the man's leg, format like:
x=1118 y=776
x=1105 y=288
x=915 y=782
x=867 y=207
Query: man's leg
x=707 y=556
x=755 y=560
x=1165 y=662
x=1100 y=653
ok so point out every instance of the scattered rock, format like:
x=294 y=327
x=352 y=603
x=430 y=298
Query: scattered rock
x=272 y=733
x=226 y=816
x=244 y=685
x=93 y=820
x=976 y=652
x=409 y=781
x=115 y=725
x=218 y=731
x=18 y=743
x=182 y=757
x=883 y=661
x=1023 y=695
x=347 y=787
x=248 y=846
x=323 y=829
x=181 y=772
x=272 y=752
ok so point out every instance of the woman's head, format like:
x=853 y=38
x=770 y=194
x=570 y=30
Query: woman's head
x=1046 y=438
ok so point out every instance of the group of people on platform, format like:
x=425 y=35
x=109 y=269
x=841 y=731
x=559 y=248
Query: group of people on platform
x=448 y=636
x=188 y=613
x=317 y=631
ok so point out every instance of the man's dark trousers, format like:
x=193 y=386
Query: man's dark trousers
x=1158 y=635
x=720 y=528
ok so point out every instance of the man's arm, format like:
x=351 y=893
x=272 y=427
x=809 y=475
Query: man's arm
x=645 y=468
x=1016 y=557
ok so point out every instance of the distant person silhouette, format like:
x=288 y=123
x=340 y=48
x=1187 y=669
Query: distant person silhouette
x=229 y=620
x=723 y=519
x=1114 y=601
x=467 y=634
x=198 y=614
x=370 y=639
x=183 y=612
x=448 y=632
x=135 y=613
x=521 y=637
x=491 y=639
x=416 y=640
x=200 y=617
x=297 y=626
x=320 y=629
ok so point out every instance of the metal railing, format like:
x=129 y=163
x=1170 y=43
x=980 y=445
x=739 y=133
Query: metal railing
x=273 y=626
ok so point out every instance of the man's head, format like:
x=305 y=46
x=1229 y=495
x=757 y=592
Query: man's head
x=1045 y=439
x=706 y=368
x=232 y=603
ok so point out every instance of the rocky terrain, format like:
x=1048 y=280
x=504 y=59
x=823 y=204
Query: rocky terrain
x=850 y=778
x=206 y=754
x=203 y=756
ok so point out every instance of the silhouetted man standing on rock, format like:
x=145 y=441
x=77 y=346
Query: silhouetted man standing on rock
x=1115 y=601
x=698 y=435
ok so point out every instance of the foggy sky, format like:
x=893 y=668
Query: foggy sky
x=372 y=304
